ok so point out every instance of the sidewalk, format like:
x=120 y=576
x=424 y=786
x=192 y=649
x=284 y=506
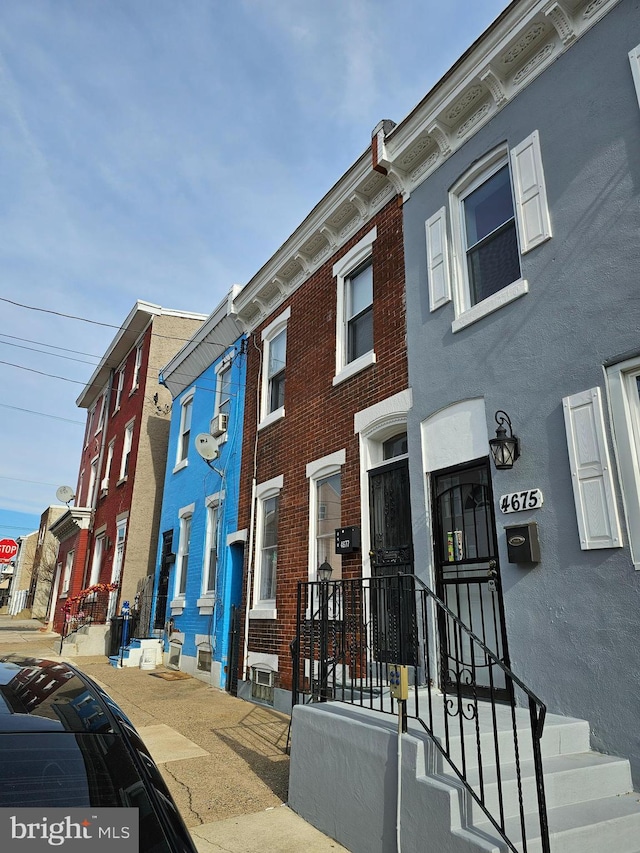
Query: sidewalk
x=223 y=759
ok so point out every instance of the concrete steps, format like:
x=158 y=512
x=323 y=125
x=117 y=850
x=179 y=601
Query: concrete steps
x=591 y=805
x=145 y=652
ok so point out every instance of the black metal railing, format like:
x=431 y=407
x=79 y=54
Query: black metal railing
x=348 y=634
x=90 y=607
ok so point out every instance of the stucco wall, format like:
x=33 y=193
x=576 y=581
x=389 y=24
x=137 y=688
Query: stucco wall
x=572 y=620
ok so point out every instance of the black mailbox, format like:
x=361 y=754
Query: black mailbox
x=347 y=540
x=522 y=543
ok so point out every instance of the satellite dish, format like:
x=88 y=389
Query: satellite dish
x=207 y=446
x=65 y=494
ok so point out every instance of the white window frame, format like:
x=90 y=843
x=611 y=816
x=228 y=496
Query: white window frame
x=135 y=379
x=118 y=558
x=127 y=444
x=103 y=400
x=93 y=477
x=214 y=506
x=268 y=334
x=87 y=432
x=119 y=388
x=263 y=608
x=342 y=269
x=224 y=367
x=634 y=59
x=107 y=468
x=186 y=405
x=185 y=516
x=79 y=489
x=316 y=471
x=68 y=566
x=96 y=560
x=624 y=408
x=532 y=220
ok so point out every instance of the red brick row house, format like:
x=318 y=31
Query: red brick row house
x=108 y=537
x=326 y=407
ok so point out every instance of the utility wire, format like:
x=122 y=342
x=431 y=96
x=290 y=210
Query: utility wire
x=44 y=352
x=42 y=414
x=35 y=482
x=51 y=346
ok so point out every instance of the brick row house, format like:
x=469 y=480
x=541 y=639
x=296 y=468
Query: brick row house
x=325 y=412
x=108 y=536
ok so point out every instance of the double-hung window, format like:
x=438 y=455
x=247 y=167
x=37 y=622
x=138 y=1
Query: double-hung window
x=186 y=411
x=96 y=563
x=182 y=560
x=325 y=512
x=136 y=368
x=498 y=212
x=220 y=421
x=92 y=481
x=266 y=554
x=354 y=309
x=119 y=387
x=274 y=339
x=211 y=547
x=126 y=450
x=68 y=566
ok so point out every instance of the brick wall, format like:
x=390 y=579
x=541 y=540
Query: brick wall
x=319 y=417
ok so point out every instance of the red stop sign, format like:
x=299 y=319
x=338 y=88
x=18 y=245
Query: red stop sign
x=8 y=550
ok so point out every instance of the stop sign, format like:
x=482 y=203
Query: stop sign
x=8 y=550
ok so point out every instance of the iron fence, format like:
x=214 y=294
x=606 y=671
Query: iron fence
x=349 y=633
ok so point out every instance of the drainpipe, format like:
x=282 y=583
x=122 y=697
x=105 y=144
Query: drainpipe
x=254 y=482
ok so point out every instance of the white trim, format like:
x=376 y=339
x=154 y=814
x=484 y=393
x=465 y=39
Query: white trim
x=634 y=59
x=591 y=476
x=186 y=510
x=276 y=326
x=269 y=486
x=263 y=608
x=438 y=260
x=127 y=439
x=269 y=333
x=271 y=418
x=184 y=513
x=625 y=428
x=342 y=269
x=185 y=401
x=529 y=194
x=326 y=465
x=262 y=660
x=490 y=304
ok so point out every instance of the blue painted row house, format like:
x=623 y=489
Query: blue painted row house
x=200 y=551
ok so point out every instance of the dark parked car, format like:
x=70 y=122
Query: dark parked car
x=65 y=743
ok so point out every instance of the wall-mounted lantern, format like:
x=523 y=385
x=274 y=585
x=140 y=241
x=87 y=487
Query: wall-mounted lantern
x=505 y=449
x=324 y=571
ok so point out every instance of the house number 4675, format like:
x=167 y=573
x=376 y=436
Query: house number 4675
x=518 y=501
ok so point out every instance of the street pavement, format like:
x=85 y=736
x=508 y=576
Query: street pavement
x=224 y=759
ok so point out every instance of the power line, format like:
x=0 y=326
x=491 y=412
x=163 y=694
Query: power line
x=51 y=346
x=42 y=414
x=42 y=373
x=44 y=352
x=35 y=482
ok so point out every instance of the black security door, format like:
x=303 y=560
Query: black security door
x=167 y=559
x=392 y=553
x=468 y=578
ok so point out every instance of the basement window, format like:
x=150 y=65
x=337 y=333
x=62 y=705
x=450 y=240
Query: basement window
x=175 y=650
x=204 y=660
x=262 y=681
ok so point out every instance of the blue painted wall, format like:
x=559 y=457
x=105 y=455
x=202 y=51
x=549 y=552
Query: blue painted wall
x=192 y=484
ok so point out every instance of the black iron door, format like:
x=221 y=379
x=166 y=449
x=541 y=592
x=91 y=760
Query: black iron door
x=393 y=605
x=468 y=579
x=167 y=558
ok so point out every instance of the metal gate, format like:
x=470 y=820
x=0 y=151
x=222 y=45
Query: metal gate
x=468 y=578
x=393 y=613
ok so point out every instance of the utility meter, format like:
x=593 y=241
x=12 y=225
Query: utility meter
x=399 y=682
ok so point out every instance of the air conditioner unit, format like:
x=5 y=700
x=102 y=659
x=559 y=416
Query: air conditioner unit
x=218 y=425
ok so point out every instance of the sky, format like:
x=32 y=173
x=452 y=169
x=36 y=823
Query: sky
x=163 y=150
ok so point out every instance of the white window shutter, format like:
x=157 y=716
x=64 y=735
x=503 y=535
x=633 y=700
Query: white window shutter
x=634 y=59
x=532 y=212
x=438 y=260
x=591 y=476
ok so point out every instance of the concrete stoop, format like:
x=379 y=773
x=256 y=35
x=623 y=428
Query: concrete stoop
x=342 y=755
x=89 y=640
x=145 y=653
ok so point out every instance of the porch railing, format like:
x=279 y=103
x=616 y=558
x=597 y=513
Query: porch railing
x=479 y=715
x=90 y=607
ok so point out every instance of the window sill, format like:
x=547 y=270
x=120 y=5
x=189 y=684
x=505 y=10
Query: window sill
x=177 y=606
x=133 y=390
x=349 y=370
x=206 y=605
x=122 y=480
x=490 y=304
x=180 y=465
x=115 y=411
x=271 y=418
x=263 y=613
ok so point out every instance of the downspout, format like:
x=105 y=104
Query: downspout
x=254 y=482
